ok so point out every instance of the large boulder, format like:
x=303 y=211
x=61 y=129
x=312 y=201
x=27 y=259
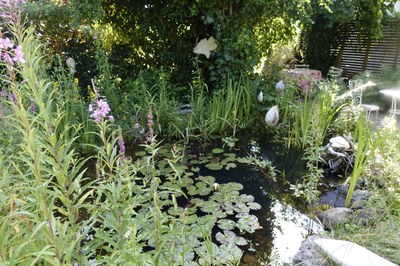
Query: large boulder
x=316 y=250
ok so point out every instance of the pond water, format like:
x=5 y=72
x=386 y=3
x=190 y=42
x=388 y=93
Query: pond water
x=283 y=218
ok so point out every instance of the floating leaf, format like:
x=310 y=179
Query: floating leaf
x=207 y=179
x=247 y=223
x=232 y=186
x=246 y=198
x=195 y=169
x=214 y=166
x=230 y=166
x=240 y=241
x=226 y=224
x=209 y=206
x=241 y=208
x=217 y=150
x=226 y=237
x=243 y=160
x=254 y=205
x=185 y=181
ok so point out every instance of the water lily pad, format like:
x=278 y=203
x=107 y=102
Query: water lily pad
x=230 y=166
x=240 y=241
x=245 y=198
x=185 y=181
x=195 y=169
x=226 y=224
x=231 y=186
x=217 y=150
x=225 y=237
x=241 y=208
x=247 y=223
x=192 y=190
x=175 y=211
x=214 y=166
x=196 y=201
x=243 y=160
x=220 y=214
x=207 y=179
x=209 y=206
x=254 y=205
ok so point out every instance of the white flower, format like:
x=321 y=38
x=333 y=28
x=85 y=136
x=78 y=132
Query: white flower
x=260 y=97
x=280 y=86
x=272 y=116
x=205 y=47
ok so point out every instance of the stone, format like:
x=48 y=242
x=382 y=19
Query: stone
x=317 y=250
x=367 y=216
x=333 y=217
x=346 y=253
x=309 y=255
x=359 y=197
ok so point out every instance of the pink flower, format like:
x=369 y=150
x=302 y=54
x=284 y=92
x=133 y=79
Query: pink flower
x=19 y=55
x=101 y=111
x=6 y=57
x=6 y=43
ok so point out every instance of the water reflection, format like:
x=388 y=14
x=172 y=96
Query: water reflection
x=290 y=228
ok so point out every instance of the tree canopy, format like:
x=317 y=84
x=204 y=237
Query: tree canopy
x=146 y=34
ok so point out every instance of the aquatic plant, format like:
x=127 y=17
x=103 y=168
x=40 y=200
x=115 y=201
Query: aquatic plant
x=312 y=117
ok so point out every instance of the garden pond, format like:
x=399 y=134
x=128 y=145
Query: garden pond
x=252 y=210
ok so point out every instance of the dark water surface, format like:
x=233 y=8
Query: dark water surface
x=282 y=216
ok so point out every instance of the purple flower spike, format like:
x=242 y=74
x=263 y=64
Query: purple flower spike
x=100 y=111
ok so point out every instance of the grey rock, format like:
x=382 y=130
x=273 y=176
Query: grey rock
x=333 y=217
x=359 y=197
x=367 y=216
x=309 y=254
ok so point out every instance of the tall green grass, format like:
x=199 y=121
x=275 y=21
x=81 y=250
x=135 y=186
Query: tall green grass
x=312 y=116
x=231 y=107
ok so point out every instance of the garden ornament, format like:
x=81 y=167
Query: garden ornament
x=71 y=65
x=280 y=86
x=339 y=142
x=272 y=116
x=205 y=47
x=339 y=152
x=260 y=97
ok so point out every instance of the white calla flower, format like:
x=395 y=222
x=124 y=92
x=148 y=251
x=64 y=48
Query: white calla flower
x=260 y=97
x=272 y=116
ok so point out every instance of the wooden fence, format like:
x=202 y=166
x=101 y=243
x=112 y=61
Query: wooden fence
x=357 y=54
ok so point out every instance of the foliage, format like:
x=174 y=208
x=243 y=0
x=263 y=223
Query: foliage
x=307 y=188
x=366 y=146
x=165 y=33
x=313 y=116
x=54 y=212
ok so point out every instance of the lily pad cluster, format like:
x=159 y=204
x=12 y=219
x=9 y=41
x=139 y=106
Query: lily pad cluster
x=195 y=213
